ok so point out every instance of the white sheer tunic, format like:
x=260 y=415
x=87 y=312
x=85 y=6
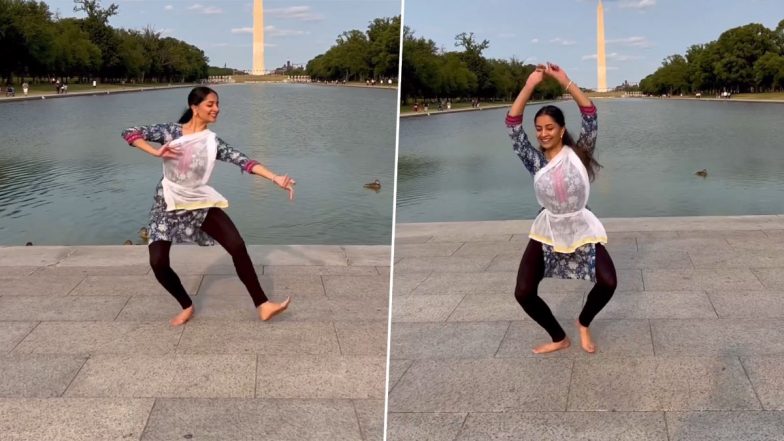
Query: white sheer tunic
x=185 y=177
x=562 y=188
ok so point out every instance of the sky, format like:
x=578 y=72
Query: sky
x=639 y=33
x=296 y=30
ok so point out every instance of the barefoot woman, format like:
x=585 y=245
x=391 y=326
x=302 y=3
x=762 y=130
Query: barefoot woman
x=566 y=238
x=186 y=209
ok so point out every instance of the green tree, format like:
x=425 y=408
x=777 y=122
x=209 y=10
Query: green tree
x=502 y=79
x=429 y=73
x=133 y=58
x=26 y=34
x=384 y=46
x=102 y=35
x=359 y=56
x=181 y=62
x=151 y=42
x=454 y=77
x=318 y=67
x=769 y=72
x=701 y=59
x=351 y=55
x=94 y=10
x=73 y=52
x=732 y=63
x=472 y=56
x=32 y=44
x=675 y=74
x=738 y=49
x=419 y=66
x=780 y=35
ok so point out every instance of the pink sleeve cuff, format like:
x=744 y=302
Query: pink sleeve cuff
x=588 y=110
x=131 y=137
x=249 y=166
x=514 y=120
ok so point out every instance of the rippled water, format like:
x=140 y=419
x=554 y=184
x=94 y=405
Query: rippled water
x=461 y=166
x=67 y=178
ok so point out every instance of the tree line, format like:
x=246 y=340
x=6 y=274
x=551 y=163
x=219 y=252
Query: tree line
x=429 y=72
x=748 y=58
x=36 y=44
x=361 y=56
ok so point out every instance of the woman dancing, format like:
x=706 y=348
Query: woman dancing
x=566 y=238
x=186 y=209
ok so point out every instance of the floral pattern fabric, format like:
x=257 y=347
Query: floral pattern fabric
x=180 y=226
x=191 y=166
x=580 y=264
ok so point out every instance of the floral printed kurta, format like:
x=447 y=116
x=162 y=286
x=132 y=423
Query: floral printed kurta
x=580 y=264
x=180 y=226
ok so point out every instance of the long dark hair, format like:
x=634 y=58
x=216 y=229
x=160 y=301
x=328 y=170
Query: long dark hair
x=585 y=155
x=197 y=95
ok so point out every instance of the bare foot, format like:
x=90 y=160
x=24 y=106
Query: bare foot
x=182 y=317
x=585 y=339
x=267 y=310
x=552 y=347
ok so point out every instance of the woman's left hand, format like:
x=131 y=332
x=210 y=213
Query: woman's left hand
x=287 y=183
x=554 y=71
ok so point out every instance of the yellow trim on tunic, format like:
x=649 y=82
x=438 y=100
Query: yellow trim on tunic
x=571 y=248
x=199 y=205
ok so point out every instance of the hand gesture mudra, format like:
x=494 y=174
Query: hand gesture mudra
x=554 y=71
x=168 y=152
x=287 y=183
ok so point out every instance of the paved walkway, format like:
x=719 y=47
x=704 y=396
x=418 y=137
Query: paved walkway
x=86 y=352
x=690 y=348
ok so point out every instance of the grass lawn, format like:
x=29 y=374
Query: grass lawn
x=760 y=96
x=433 y=107
x=768 y=96
x=48 y=89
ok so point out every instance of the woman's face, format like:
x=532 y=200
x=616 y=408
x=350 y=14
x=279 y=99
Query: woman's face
x=548 y=132
x=208 y=109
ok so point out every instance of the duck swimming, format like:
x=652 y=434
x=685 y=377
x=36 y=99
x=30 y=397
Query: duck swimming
x=375 y=185
x=703 y=173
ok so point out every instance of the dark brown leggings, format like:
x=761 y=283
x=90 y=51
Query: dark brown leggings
x=220 y=227
x=531 y=272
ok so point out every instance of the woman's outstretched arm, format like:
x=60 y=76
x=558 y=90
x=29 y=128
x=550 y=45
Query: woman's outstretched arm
x=227 y=153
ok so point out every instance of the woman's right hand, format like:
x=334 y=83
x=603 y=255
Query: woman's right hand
x=287 y=183
x=167 y=151
x=536 y=77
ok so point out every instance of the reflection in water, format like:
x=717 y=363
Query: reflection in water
x=461 y=167
x=412 y=166
x=67 y=178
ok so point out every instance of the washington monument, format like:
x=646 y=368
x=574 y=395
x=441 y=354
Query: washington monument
x=601 y=65
x=258 y=38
